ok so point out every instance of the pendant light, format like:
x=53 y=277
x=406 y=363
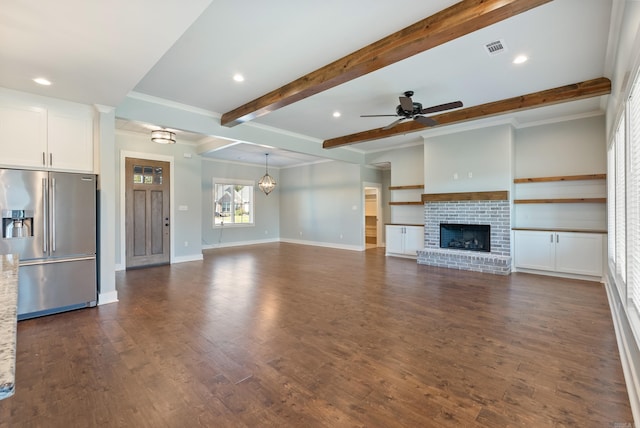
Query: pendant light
x=267 y=183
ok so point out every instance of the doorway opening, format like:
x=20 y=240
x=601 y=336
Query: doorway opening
x=372 y=213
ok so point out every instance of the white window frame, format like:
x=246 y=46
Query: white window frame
x=227 y=181
x=633 y=199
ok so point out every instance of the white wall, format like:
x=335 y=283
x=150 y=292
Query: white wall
x=322 y=204
x=469 y=161
x=573 y=147
x=564 y=148
x=407 y=168
x=266 y=227
x=407 y=164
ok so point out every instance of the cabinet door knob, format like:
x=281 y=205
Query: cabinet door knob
x=551 y=236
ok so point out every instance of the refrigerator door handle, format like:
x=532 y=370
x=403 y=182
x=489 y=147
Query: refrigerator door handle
x=53 y=215
x=52 y=261
x=45 y=204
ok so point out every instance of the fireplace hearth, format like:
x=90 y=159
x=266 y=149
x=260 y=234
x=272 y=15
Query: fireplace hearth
x=470 y=237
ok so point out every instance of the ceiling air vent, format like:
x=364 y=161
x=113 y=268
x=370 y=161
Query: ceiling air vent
x=495 y=48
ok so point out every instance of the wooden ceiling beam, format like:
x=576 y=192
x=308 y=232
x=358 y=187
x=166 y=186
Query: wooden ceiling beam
x=456 y=21
x=573 y=92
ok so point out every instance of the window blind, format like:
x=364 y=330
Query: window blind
x=633 y=199
x=611 y=203
x=620 y=232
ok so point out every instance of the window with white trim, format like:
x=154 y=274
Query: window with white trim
x=232 y=202
x=633 y=199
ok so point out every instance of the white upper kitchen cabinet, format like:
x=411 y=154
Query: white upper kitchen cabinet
x=69 y=141
x=45 y=133
x=24 y=133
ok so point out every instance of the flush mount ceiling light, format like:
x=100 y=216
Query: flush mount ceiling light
x=162 y=136
x=238 y=77
x=267 y=183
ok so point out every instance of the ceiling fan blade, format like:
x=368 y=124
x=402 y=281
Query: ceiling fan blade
x=378 y=115
x=394 y=123
x=406 y=103
x=441 y=107
x=426 y=121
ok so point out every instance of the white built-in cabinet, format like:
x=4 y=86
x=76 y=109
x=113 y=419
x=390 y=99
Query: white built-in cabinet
x=404 y=235
x=37 y=135
x=404 y=240
x=560 y=224
x=574 y=253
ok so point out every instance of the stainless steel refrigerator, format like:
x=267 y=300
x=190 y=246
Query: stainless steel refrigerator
x=49 y=220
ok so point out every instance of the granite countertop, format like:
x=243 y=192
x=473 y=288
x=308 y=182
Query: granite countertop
x=8 y=323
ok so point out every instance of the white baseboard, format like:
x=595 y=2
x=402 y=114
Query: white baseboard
x=559 y=274
x=109 y=297
x=191 y=258
x=324 y=244
x=238 y=243
x=181 y=259
x=289 y=241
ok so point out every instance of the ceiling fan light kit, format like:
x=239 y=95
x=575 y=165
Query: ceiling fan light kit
x=408 y=109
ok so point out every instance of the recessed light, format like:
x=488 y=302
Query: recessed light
x=520 y=59
x=336 y=114
x=42 y=81
x=238 y=77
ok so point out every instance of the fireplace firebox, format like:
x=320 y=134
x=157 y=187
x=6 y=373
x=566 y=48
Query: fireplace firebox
x=470 y=237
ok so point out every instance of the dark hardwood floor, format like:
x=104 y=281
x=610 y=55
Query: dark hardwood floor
x=297 y=336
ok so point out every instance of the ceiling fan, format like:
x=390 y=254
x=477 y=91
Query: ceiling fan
x=408 y=109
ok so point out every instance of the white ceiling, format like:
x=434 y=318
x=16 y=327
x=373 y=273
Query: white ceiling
x=187 y=52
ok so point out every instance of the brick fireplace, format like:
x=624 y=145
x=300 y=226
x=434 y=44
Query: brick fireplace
x=474 y=208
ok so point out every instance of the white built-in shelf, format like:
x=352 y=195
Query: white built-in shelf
x=561 y=178
x=582 y=177
x=407 y=187
x=560 y=201
x=407 y=203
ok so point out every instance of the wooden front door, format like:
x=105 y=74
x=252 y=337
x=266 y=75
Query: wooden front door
x=147 y=212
